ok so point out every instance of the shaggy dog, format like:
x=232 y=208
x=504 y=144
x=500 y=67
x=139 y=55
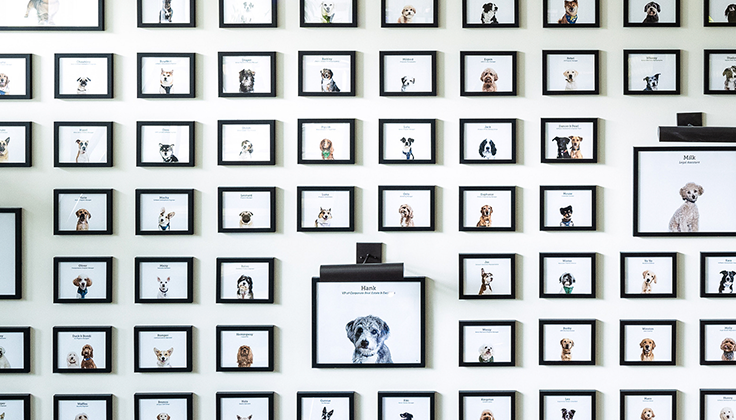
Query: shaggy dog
x=368 y=334
x=87 y=355
x=245 y=287
x=407 y=14
x=245 y=357
x=489 y=78
x=728 y=345
x=726 y=413
x=567 y=415
x=407 y=216
x=406 y=81
x=652 y=10
x=487 y=149
x=325 y=147
x=647 y=414
x=486 y=355
x=687 y=217
x=647 y=350
x=247 y=80
x=567 y=281
x=72 y=360
x=571 y=13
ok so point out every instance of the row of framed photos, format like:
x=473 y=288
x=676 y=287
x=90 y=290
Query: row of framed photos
x=333 y=73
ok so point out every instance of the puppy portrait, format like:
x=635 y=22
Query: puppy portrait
x=328 y=85
x=247 y=79
x=245 y=357
x=406 y=81
x=163 y=287
x=407 y=14
x=567 y=414
x=726 y=413
x=166 y=80
x=567 y=281
x=81 y=416
x=245 y=287
x=647 y=351
x=82 y=83
x=488 y=15
x=652 y=82
x=566 y=213
x=486 y=278
x=83 y=283
x=687 y=217
x=570 y=76
x=652 y=10
x=245 y=219
x=571 y=13
x=72 y=360
x=729 y=73
x=562 y=142
x=486 y=356
x=327 y=11
x=407 y=216
x=487 y=149
x=325 y=414
x=324 y=217
x=87 y=355
x=406 y=147
x=4 y=363
x=731 y=13
x=485 y=216
x=567 y=345
x=4 y=151
x=163 y=416
x=575 y=151
x=163 y=358
x=82 y=155
x=83 y=217
x=726 y=283
x=4 y=84
x=325 y=147
x=167 y=153
x=368 y=334
x=489 y=78
x=649 y=279
x=246 y=150
x=164 y=220
x=167 y=13
x=45 y=9
x=647 y=414
x=728 y=345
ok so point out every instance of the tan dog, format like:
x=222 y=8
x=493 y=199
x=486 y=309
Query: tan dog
x=647 y=414
x=575 y=152
x=407 y=14
x=485 y=216
x=570 y=76
x=487 y=415
x=407 y=215
x=489 y=78
x=245 y=357
x=246 y=219
x=571 y=13
x=163 y=416
x=83 y=217
x=4 y=151
x=87 y=355
x=567 y=345
x=728 y=345
x=163 y=357
x=647 y=350
x=687 y=217
x=649 y=279
x=325 y=147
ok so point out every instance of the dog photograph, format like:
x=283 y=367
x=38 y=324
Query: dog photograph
x=567 y=405
x=326 y=73
x=78 y=212
x=487 y=141
x=241 y=348
x=665 y=13
x=83 y=76
x=571 y=14
x=570 y=72
x=326 y=141
x=173 y=406
x=326 y=13
x=648 y=342
x=652 y=72
x=487 y=73
x=417 y=13
x=52 y=15
x=245 y=280
x=490 y=14
x=163 y=349
x=648 y=405
x=406 y=405
x=568 y=208
x=15 y=76
x=406 y=208
x=90 y=348
x=717 y=274
x=247 y=14
x=720 y=71
x=171 y=13
x=325 y=208
x=246 y=142
x=324 y=405
x=720 y=13
x=487 y=209
x=82 y=279
x=165 y=143
x=487 y=343
x=487 y=276
x=567 y=275
x=15 y=352
x=246 y=209
x=83 y=407
x=165 y=75
x=164 y=212
x=16 y=406
x=247 y=74
x=244 y=405
x=82 y=144
x=717 y=342
x=408 y=73
x=567 y=342
x=717 y=404
x=15 y=144
x=648 y=274
x=569 y=140
x=406 y=141
x=164 y=280
x=487 y=405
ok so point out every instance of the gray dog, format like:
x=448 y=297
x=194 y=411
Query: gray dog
x=367 y=333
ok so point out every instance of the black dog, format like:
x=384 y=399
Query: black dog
x=726 y=285
x=567 y=415
x=652 y=9
x=247 y=80
x=566 y=213
x=562 y=147
x=406 y=416
x=731 y=13
x=167 y=153
x=488 y=16
x=487 y=149
x=652 y=83
x=407 y=149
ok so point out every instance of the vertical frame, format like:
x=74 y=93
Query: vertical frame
x=713 y=402
x=714 y=14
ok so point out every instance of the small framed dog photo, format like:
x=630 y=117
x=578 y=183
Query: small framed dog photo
x=169 y=13
x=323 y=405
x=651 y=72
x=16 y=406
x=97 y=406
x=487 y=276
x=570 y=72
x=648 y=275
x=50 y=15
x=164 y=212
x=246 y=142
x=246 y=209
x=15 y=350
x=238 y=71
x=82 y=212
x=231 y=405
x=16 y=144
x=388 y=315
x=396 y=405
x=719 y=13
x=15 y=76
x=717 y=274
x=569 y=140
x=318 y=13
x=648 y=342
x=326 y=73
x=664 y=13
x=11 y=259
x=567 y=275
x=406 y=208
x=720 y=71
x=166 y=144
x=245 y=348
x=571 y=14
x=83 y=144
x=83 y=76
x=325 y=209
x=419 y=14
x=406 y=141
x=245 y=280
x=564 y=208
x=326 y=141
x=487 y=343
x=487 y=405
x=483 y=14
x=567 y=341
x=497 y=207
x=249 y=14
x=83 y=280
x=166 y=75
x=567 y=403
x=408 y=73
x=487 y=73
x=82 y=350
x=170 y=406
x=717 y=403
x=717 y=342
x=162 y=348
x=487 y=141
x=164 y=279
x=647 y=404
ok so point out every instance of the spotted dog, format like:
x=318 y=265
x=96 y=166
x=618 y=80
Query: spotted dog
x=726 y=284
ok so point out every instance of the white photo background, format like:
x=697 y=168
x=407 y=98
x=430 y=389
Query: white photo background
x=338 y=202
x=73 y=341
x=660 y=404
x=232 y=65
x=95 y=204
x=15 y=69
x=233 y=136
x=12 y=343
x=580 y=200
x=151 y=10
x=96 y=271
x=500 y=134
x=7 y=257
x=714 y=403
x=713 y=268
x=662 y=336
x=504 y=15
x=162 y=340
x=312 y=407
x=718 y=63
x=96 y=136
x=558 y=64
x=14 y=408
x=501 y=269
x=568 y=129
x=419 y=407
x=393 y=148
x=151 y=68
x=580 y=335
x=660 y=266
x=231 y=272
x=717 y=10
x=499 y=405
x=500 y=201
x=231 y=341
x=475 y=65
x=176 y=136
x=416 y=67
x=150 y=209
x=424 y=8
x=69 y=13
x=16 y=146
x=176 y=274
x=230 y=407
x=714 y=336
x=582 y=404
x=314 y=133
x=556 y=11
x=94 y=409
x=93 y=68
x=667 y=12
x=579 y=267
x=235 y=12
x=419 y=200
x=256 y=202
x=176 y=408
x=648 y=65
x=312 y=66
x=496 y=336
x=343 y=10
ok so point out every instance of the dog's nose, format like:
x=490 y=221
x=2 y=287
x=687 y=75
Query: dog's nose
x=364 y=343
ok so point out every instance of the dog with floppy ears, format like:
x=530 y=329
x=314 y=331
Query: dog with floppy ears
x=327 y=150
x=245 y=357
x=727 y=280
x=83 y=216
x=728 y=345
x=245 y=287
x=488 y=15
x=83 y=283
x=649 y=279
x=487 y=415
x=87 y=355
x=407 y=14
x=687 y=217
x=485 y=216
x=368 y=335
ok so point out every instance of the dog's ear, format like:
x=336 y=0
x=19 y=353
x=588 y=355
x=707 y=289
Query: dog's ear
x=7 y=141
x=163 y=210
x=78 y=141
x=724 y=273
x=654 y=278
x=642 y=343
x=157 y=351
x=91 y=351
x=168 y=279
x=700 y=190
x=171 y=350
x=683 y=192
x=158 y=279
x=482 y=271
x=495 y=76
x=572 y=412
x=330 y=413
x=564 y=411
x=572 y=344
x=79 y=212
x=89 y=281
x=658 y=9
x=170 y=215
x=350 y=328
x=324 y=410
x=653 y=346
x=76 y=281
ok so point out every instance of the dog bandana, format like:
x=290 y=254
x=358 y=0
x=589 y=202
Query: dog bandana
x=2 y=92
x=571 y=19
x=568 y=290
x=167 y=89
x=82 y=293
x=325 y=154
x=165 y=227
x=567 y=224
x=409 y=154
x=480 y=359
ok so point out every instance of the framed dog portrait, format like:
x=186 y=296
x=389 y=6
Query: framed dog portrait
x=567 y=342
x=720 y=71
x=169 y=13
x=571 y=14
x=648 y=275
x=164 y=279
x=718 y=342
x=230 y=405
x=497 y=206
x=83 y=144
x=719 y=13
x=16 y=76
x=717 y=274
x=326 y=141
x=177 y=405
x=651 y=72
x=406 y=208
x=166 y=75
x=487 y=344
x=487 y=141
x=245 y=348
x=82 y=350
x=16 y=406
x=567 y=275
x=97 y=406
x=569 y=140
x=648 y=342
x=74 y=211
x=677 y=193
x=567 y=403
x=53 y=15
x=162 y=349
x=717 y=403
x=570 y=72
x=319 y=13
x=564 y=208
x=15 y=350
x=419 y=14
x=16 y=144
x=406 y=141
x=325 y=209
x=483 y=14
x=649 y=403
x=83 y=76
x=164 y=212
x=487 y=73
x=246 y=209
x=396 y=405
x=326 y=73
x=648 y=13
x=160 y=143
x=245 y=280
x=11 y=259
x=408 y=73
x=388 y=315
x=249 y=14
x=83 y=280
x=247 y=74
x=487 y=276
x=246 y=142
x=323 y=405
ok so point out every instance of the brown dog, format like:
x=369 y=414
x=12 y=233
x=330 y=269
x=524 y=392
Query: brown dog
x=87 y=355
x=46 y=10
x=407 y=215
x=4 y=151
x=728 y=345
x=5 y=83
x=567 y=345
x=485 y=216
x=647 y=350
x=407 y=14
x=647 y=414
x=83 y=217
x=489 y=78
x=571 y=13
x=325 y=146
x=245 y=357
x=486 y=415
x=575 y=152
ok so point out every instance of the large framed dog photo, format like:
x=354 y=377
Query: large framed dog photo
x=718 y=342
x=164 y=279
x=406 y=208
x=325 y=405
x=567 y=341
x=650 y=13
x=326 y=73
x=53 y=15
x=166 y=13
x=569 y=140
x=247 y=74
x=83 y=144
x=487 y=343
x=16 y=406
x=651 y=72
x=396 y=405
x=570 y=72
x=487 y=276
x=326 y=141
x=246 y=209
x=717 y=274
x=231 y=405
x=326 y=14
x=15 y=76
x=567 y=275
x=245 y=280
x=363 y=324
x=245 y=348
x=418 y=14
x=11 y=259
x=70 y=406
x=83 y=212
x=571 y=13
x=171 y=406
x=487 y=141
x=488 y=73
x=487 y=405
x=246 y=142
x=408 y=73
x=15 y=350
x=487 y=209
x=564 y=208
x=648 y=274
x=162 y=348
x=648 y=403
x=489 y=15
x=565 y=404
x=406 y=141
x=719 y=13
x=165 y=143
x=720 y=71
x=164 y=212
x=83 y=280
x=82 y=350
x=83 y=76
x=648 y=342
x=166 y=75
x=325 y=209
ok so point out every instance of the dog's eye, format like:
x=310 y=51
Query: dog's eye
x=374 y=331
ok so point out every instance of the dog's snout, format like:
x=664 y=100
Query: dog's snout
x=364 y=344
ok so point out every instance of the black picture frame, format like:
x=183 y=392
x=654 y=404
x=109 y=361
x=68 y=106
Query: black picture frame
x=592 y=189
x=227 y=224
x=241 y=20
x=485 y=222
x=385 y=23
x=323 y=149
x=705 y=410
x=25 y=350
x=192 y=17
x=406 y=397
x=48 y=24
x=25 y=400
x=108 y=217
x=330 y=58
x=407 y=86
x=162 y=296
x=406 y=126
x=222 y=397
x=648 y=276
x=729 y=83
x=724 y=339
x=81 y=126
x=108 y=360
x=565 y=156
x=566 y=258
x=140 y=196
x=58 y=58
x=82 y=264
x=564 y=324
x=484 y=150
x=463 y=285
x=27 y=73
x=191 y=67
x=159 y=330
x=488 y=401
x=480 y=23
x=728 y=262
x=325 y=399
x=326 y=20
x=27 y=140
x=428 y=227
x=708 y=16
x=249 y=358
x=654 y=53
x=12 y=242
x=624 y=323
x=326 y=225
x=165 y=160
x=650 y=22
x=270 y=279
x=644 y=393
x=487 y=326
x=244 y=158
x=413 y=287
x=543 y=394
x=138 y=398
x=555 y=23
x=569 y=80
x=245 y=91
x=492 y=88
x=81 y=398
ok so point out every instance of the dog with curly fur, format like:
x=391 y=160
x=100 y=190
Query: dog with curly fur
x=687 y=217
x=245 y=357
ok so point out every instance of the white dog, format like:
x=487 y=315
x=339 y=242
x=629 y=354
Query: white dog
x=72 y=360
x=327 y=11
x=163 y=357
x=726 y=413
x=163 y=287
x=4 y=364
x=570 y=76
